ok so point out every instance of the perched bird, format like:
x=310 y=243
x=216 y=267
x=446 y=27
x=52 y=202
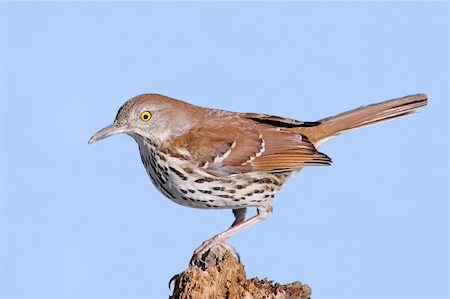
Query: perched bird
x=214 y=159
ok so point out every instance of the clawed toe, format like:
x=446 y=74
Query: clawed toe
x=173 y=279
x=207 y=245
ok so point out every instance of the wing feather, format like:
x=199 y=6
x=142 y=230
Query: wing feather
x=233 y=144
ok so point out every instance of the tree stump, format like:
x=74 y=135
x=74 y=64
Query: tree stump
x=219 y=274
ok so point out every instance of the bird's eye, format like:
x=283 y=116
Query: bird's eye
x=145 y=116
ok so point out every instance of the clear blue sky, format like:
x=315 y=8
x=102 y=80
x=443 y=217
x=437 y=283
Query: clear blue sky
x=82 y=221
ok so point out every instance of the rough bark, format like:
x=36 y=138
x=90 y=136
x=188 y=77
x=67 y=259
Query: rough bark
x=219 y=274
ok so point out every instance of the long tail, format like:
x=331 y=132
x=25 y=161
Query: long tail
x=363 y=116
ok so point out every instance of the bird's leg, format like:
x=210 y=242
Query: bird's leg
x=239 y=216
x=262 y=213
x=237 y=226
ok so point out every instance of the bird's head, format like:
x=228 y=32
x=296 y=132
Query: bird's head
x=151 y=116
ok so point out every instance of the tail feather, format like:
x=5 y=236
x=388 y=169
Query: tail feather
x=361 y=117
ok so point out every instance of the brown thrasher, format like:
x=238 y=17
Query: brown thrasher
x=214 y=159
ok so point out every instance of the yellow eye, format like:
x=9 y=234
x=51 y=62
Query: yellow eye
x=145 y=116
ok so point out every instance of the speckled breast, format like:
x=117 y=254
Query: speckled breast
x=191 y=186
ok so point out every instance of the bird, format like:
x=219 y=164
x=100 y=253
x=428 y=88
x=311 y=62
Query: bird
x=216 y=159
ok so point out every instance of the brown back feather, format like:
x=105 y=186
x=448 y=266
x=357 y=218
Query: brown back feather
x=231 y=144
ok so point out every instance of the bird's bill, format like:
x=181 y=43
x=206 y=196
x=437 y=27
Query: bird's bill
x=110 y=130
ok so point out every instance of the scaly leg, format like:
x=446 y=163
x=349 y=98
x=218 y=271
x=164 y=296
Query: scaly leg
x=238 y=225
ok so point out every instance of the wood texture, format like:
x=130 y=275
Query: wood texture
x=221 y=275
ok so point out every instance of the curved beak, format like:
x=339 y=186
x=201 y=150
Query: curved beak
x=110 y=130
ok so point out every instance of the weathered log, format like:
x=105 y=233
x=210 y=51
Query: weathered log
x=219 y=274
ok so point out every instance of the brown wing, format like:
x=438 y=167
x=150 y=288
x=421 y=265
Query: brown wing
x=233 y=144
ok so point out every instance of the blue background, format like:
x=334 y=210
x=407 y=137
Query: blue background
x=82 y=221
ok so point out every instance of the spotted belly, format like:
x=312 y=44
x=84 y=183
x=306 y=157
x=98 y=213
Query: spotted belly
x=191 y=186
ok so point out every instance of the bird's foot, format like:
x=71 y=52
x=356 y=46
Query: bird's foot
x=200 y=252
